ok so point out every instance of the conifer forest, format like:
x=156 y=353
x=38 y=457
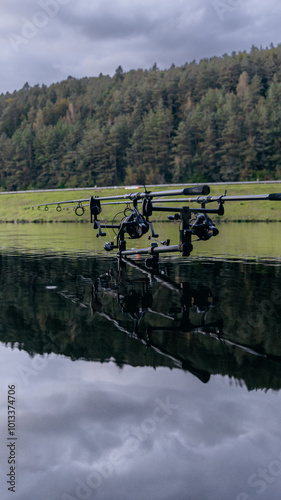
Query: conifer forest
x=210 y=121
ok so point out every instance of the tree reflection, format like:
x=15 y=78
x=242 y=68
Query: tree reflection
x=207 y=317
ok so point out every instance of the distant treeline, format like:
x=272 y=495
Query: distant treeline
x=216 y=120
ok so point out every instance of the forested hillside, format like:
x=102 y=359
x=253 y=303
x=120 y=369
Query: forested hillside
x=216 y=120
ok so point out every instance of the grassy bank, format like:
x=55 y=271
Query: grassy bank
x=16 y=207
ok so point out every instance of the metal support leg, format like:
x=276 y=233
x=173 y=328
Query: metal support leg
x=185 y=245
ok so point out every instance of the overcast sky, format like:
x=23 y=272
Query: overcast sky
x=45 y=41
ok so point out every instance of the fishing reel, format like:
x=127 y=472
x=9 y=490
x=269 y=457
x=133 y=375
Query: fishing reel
x=135 y=225
x=203 y=227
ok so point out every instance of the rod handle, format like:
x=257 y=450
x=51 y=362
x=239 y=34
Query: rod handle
x=196 y=190
x=274 y=197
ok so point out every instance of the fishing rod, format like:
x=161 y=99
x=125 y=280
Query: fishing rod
x=194 y=220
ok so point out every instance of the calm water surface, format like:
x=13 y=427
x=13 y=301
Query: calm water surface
x=134 y=385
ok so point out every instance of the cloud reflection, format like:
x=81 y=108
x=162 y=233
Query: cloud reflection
x=75 y=416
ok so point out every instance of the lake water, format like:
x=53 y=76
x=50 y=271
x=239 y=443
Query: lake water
x=127 y=384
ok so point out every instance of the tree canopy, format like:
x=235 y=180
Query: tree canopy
x=215 y=120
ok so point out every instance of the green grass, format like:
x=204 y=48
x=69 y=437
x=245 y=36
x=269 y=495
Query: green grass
x=16 y=206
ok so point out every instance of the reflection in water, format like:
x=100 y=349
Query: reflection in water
x=206 y=318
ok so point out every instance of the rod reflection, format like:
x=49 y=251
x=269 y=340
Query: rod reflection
x=180 y=329
x=195 y=318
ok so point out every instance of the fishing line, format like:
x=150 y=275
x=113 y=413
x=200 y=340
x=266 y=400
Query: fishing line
x=162 y=230
x=126 y=212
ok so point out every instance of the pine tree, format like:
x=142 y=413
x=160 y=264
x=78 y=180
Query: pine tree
x=230 y=163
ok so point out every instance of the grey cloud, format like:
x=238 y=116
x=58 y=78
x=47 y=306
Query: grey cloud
x=110 y=26
x=118 y=24
x=84 y=39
